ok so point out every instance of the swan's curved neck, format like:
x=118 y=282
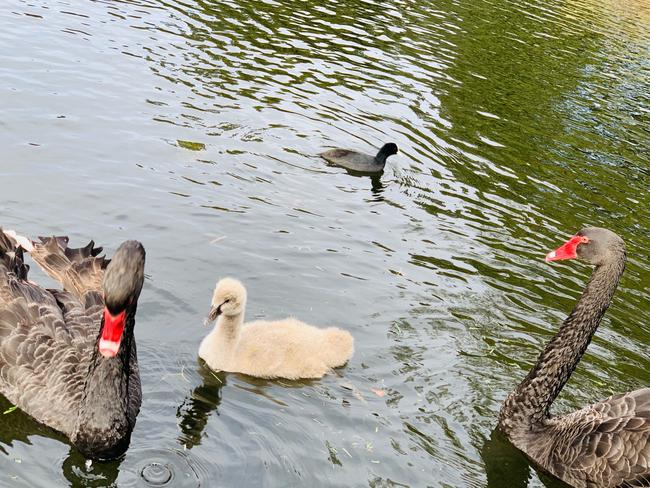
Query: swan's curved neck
x=530 y=402
x=228 y=328
x=103 y=420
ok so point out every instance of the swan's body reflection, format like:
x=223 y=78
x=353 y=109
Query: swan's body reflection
x=506 y=466
x=97 y=474
x=18 y=427
x=196 y=409
x=20 y=433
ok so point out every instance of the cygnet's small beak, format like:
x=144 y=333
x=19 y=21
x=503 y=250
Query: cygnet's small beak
x=212 y=315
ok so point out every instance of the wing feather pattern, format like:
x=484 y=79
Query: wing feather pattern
x=79 y=270
x=606 y=444
x=46 y=335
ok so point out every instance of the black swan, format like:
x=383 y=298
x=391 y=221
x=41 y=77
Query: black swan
x=357 y=161
x=606 y=444
x=68 y=357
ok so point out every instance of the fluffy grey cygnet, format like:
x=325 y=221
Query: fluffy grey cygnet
x=285 y=348
x=361 y=162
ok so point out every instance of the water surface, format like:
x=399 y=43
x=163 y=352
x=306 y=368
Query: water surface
x=194 y=127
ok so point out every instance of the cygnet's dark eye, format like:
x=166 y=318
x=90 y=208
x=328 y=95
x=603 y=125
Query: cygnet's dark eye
x=227 y=300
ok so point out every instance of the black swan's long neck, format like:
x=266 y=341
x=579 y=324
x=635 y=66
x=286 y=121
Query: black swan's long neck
x=529 y=403
x=104 y=425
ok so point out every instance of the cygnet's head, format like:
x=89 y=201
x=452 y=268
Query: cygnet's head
x=229 y=299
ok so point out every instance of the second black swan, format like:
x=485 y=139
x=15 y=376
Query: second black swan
x=603 y=445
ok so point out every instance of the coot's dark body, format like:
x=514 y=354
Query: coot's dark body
x=361 y=162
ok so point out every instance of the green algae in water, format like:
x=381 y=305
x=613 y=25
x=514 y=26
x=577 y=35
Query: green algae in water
x=191 y=145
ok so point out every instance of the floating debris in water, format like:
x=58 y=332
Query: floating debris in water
x=217 y=239
x=191 y=145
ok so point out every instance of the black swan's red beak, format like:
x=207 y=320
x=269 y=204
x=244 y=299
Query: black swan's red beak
x=109 y=342
x=568 y=250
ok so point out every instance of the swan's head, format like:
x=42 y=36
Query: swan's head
x=594 y=245
x=229 y=299
x=122 y=284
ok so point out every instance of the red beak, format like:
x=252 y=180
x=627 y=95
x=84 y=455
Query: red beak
x=568 y=250
x=109 y=343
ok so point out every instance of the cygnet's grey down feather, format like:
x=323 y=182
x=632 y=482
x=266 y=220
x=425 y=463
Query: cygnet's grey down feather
x=607 y=444
x=49 y=364
x=356 y=161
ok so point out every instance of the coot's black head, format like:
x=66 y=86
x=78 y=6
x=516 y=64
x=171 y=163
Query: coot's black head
x=389 y=149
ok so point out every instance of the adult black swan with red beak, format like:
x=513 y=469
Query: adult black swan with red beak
x=68 y=357
x=603 y=445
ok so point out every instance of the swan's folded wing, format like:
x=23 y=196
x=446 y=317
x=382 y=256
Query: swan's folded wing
x=13 y=276
x=79 y=270
x=42 y=367
x=11 y=257
x=76 y=317
x=44 y=341
x=611 y=441
x=82 y=319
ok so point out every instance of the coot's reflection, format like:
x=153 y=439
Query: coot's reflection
x=377 y=186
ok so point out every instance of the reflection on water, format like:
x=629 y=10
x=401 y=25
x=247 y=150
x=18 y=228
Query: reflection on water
x=194 y=412
x=78 y=471
x=195 y=127
x=504 y=464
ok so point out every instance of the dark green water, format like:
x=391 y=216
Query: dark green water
x=193 y=126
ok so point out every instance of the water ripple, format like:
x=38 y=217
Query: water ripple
x=195 y=127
